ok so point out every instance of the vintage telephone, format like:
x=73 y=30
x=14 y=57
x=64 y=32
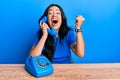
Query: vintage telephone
x=38 y=66
x=51 y=31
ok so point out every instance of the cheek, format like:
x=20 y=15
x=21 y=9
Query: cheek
x=61 y=20
x=49 y=20
x=60 y=17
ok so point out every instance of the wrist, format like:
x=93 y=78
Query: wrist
x=45 y=35
x=78 y=30
x=78 y=27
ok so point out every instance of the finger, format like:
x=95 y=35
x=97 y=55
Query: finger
x=77 y=18
x=44 y=25
x=78 y=15
x=40 y=22
x=47 y=26
x=80 y=18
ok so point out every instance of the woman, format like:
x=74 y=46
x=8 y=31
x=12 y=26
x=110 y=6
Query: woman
x=57 y=48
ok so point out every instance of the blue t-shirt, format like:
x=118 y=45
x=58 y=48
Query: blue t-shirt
x=62 y=54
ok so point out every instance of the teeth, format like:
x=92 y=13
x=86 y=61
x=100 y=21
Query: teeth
x=54 y=19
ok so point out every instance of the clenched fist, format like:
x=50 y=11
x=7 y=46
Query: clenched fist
x=79 y=21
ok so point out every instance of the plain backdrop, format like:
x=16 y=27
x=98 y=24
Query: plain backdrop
x=101 y=29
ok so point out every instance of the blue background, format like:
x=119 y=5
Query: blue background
x=101 y=29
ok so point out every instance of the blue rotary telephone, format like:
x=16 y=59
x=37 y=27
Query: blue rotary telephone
x=51 y=31
x=38 y=66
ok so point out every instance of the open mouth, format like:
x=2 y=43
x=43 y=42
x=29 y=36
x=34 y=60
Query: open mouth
x=54 y=21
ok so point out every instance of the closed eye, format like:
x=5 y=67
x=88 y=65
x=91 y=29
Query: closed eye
x=58 y=12
x=50 y=12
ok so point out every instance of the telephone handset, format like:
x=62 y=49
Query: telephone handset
x=38 y=66
x=52 y=31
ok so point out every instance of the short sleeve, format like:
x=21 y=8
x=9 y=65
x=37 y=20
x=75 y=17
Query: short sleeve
x=36 y=39
x=71 y=36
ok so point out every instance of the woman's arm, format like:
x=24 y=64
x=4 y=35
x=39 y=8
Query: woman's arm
x=78 y=46
x=37 y=50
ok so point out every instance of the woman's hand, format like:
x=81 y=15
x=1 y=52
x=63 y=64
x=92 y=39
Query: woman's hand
x=44 y=27
x=79 y=21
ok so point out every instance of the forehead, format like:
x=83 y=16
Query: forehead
x=54 y=8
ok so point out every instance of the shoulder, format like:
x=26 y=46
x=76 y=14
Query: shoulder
x=71 y=37
x=71 y=32
x=36 y=38
x=38 y=34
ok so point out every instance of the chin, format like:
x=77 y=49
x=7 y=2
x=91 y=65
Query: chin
x=55 y=27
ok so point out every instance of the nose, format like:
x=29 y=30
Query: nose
x=54 y=14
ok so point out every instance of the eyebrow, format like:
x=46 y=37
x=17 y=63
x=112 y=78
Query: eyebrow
x=52 y=10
